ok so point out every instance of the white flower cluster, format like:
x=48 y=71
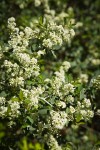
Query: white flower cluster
x=59 y=79
x=65 y=93
x=86 y=102
x=12 y=68
x=57 y=35
x=58 y=119
x=18 y=81
x=84 y=109
x=53 y=144
x=3 y=108
x=23 y=66
x=69 y=99
x=14 y=107
x=37 y=3
x=83 y=78
x=68 y=88
x=96 y=82
x=9 y=108
x=2 y=100
x=19 y=40
x=95 y=61
x=3 y=111
x=33 y=97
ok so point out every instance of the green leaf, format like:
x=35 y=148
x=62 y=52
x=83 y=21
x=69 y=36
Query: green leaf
x=2 y=134
x=78 y=117
x=82 y=94
x=3 y=94
x=15 y=99
x=41 y=20
x=21 y=95
x=25 y=125
x=53 y=54
x=43 y=111
x=30 y=119
x=80 y=123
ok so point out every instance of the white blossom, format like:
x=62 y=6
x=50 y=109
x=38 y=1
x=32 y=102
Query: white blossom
x=14 y=106
x=2 y=100
x=72 y=109
x=61 y=104
x=3 y=111
x=69 y=88
x=58 y=119
x=53 y=144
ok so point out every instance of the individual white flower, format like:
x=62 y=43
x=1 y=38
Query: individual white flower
x=83 y=113
x=78 y=104
x=95 y=61
x=61 y=104
x=78 y=24
x=12 y=19
x=60 y=29
x=66 y=36
x=47 y=80
x=11 y=123
x=21 y=34
x=33 y=102
x=85 y=138
x=56 y=39
x=98 y=111
x=70 y=99
x=83 y=78
x=66 y=65
x=3 y=111
x=37 y=3
x=72 y=109
x=33 y=61
x=25 y=92
x=68 y=88
x=47 y=43
x=72 y=32
x=87 y=102
x=8 y=64
x=90 y=113
x=2 y=100
x=28 y=32
x=60 y=74
x=1 y=55
x=41 y=52
x=25 y=42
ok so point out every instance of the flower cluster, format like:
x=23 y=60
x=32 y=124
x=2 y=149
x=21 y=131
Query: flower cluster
x=57 y=35
x=83 y=110
x=58 y=119
x=53 y=144
x=83 y=78
x=96 y=82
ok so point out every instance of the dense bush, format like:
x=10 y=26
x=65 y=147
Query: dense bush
x=49 y=75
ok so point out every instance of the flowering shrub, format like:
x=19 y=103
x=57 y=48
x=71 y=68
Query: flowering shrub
x=49 y=104
x=41 y=98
